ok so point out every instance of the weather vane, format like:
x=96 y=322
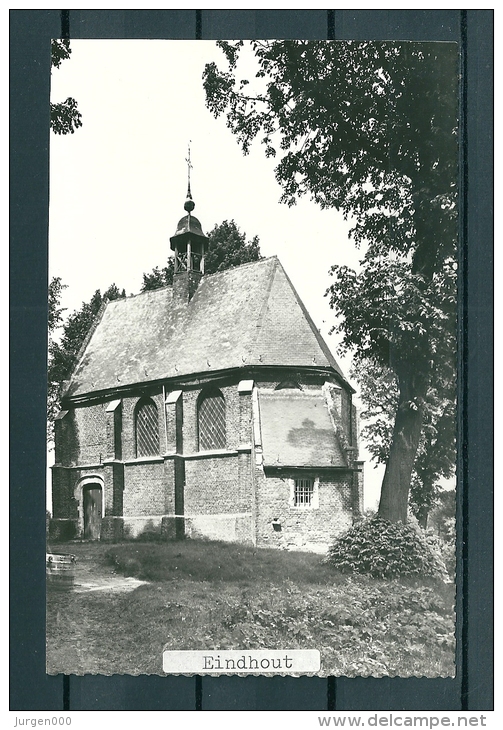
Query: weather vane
x=189 y=163
x=189 y=203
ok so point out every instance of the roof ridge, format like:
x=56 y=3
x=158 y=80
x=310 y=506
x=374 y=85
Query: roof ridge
x=265 y=302
x=142 y=293
x=205 y=276
x=241 y=266
x=316 y=332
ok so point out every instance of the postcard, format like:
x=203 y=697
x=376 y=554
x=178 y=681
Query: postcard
x=252 y=358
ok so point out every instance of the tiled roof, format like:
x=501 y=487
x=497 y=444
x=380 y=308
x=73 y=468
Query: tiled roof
x=297 y=431
x=249 y=315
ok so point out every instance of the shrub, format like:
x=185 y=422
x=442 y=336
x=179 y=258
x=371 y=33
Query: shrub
x=385 y=549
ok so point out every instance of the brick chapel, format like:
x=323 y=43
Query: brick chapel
x=211 y=408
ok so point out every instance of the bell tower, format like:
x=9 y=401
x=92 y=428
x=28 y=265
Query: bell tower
x=190 y=246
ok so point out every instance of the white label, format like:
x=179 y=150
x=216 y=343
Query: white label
x=263 y=661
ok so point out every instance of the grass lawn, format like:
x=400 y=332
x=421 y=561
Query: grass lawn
x=211 y=595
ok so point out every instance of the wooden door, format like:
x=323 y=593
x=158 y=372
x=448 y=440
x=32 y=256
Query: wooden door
x=92 y=512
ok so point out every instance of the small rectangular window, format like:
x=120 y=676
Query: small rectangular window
x=303 y=494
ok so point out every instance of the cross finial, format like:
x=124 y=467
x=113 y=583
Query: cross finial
x=189 y=163
x=189 y=203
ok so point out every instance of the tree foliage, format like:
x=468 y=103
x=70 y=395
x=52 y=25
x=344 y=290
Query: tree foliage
x=55 y=310
x=443 y=516
x=65 y=116
x=54 y=321
x=369 y=129
x=158 y=278
x=227 y=247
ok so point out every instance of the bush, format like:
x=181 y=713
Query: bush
x=385 y=549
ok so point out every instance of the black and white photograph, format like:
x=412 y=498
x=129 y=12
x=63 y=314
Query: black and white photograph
x=252 y=359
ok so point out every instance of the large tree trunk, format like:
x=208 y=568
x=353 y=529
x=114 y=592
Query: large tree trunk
x=413 y=376
x=406 y=436
x=422 y=516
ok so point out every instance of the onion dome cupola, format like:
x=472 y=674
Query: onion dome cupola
x=189 y=242
x=190 y=246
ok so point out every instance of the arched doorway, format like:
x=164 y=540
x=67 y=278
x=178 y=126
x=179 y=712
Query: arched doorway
x=92 y=502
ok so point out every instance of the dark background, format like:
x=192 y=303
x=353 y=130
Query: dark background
x=30 y=687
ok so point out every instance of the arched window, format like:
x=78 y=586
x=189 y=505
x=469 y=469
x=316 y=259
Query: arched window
x=211 y=421
x=147 y=429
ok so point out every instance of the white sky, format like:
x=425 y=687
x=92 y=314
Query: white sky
x=117 y=186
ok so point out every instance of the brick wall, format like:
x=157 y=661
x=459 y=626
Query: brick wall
x=63 y=504
x=90 y=425
x=232 y=528
x=302 y=528
x=144 y=491
x=66 y=440
x=140 y=526
x=117 y=489
x=212 y=486
x=219 y=485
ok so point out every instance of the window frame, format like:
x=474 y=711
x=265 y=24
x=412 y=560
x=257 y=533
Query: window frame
x=314 y=502
x=139 y=406
x=204 y=396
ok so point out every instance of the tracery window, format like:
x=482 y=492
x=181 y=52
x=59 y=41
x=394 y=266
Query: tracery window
x=147 y=429
x=211 y=421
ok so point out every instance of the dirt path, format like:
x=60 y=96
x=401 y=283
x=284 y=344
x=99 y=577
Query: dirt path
x=92 y=575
